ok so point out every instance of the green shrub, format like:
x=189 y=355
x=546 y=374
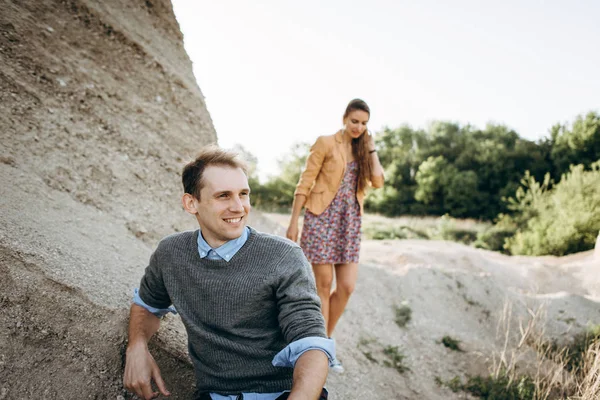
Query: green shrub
x=393 y=232
x=557 y=221
x=461 y=235
x=489 y=387
x=501 y=388
x=494 y=238
x=454 y=384
x=395 y=359
x=403 y=315
x=451 y=343
x=447 y=230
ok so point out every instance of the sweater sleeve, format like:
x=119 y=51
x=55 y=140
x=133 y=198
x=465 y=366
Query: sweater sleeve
x=299 y=307
x=152 y=288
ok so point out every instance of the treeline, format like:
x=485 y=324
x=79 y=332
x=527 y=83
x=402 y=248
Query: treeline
x=465 y=172
x=489 y=174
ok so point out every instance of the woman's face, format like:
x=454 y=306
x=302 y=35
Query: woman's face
x=356 y=123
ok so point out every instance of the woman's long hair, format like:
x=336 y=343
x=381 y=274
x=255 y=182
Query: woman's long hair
x=360 y=149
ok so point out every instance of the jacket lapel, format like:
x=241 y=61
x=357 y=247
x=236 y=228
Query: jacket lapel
x=339 y=141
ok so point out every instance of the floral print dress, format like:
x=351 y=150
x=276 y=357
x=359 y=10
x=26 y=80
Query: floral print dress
x=333 y=237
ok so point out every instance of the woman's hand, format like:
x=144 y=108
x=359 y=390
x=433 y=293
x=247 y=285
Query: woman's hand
x=370 y=141
x=292 y=232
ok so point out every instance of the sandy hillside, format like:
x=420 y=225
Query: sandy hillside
x=99 y=110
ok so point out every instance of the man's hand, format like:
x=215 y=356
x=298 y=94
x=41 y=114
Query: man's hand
x=140 y=370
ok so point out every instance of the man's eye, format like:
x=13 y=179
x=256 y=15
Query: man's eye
x=223 y=195
x=245 y=194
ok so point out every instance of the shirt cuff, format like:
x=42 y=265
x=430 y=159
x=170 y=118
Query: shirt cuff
x=159 y=312
x=290 y=354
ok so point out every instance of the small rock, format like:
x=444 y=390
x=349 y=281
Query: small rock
x=8 y=160
x=50 y=29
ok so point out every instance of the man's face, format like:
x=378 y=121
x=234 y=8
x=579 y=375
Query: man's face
x=224 y=204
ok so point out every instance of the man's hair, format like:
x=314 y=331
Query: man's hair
x=193 y=172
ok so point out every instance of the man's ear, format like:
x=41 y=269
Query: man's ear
x=189 y=203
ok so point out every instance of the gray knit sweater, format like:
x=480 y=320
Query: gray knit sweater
x=237 y=314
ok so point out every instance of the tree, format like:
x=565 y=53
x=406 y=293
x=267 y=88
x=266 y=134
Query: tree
x=292 y=163
x=432 y=178
x=578 y=145
x=461 y=196
x=250 y=159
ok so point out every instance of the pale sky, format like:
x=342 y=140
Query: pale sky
x=277 y=72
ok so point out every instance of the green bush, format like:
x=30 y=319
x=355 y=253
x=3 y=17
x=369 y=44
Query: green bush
x=447 y=230
x=465 y=236
x=562 y=220
x=494 y=238
x=393 y=232
x=451 y=343
x=489 y=387
x=403 y=315
x=501 y=388
x=395 y=359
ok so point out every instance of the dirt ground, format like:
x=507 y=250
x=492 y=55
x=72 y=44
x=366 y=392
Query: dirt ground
x=99 y=109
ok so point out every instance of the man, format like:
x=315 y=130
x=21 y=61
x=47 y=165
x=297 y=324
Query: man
x=247 y=299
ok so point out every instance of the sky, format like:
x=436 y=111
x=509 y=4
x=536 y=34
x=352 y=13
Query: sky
x=279 y=72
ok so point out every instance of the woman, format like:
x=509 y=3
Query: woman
x=332 y=187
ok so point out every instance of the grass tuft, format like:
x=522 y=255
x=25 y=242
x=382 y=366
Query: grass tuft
x=451 y=343
x=403 y=315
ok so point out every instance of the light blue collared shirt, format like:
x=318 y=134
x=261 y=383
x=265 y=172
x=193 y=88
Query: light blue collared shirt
x=224 y=252
x=286 y=357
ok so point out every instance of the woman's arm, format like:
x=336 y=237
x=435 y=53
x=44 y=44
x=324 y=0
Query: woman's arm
x=376 y=167
x=292 y=232
x=314 y=162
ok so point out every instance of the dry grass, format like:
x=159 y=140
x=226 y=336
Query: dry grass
x=546 y=370
x=588 y=387
x=545 y=364
x=531 y=367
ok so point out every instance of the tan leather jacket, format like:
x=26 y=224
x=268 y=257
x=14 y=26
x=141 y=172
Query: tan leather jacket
x=323 y=174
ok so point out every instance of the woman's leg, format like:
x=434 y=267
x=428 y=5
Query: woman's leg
x=345 y=280
x=324 y=278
